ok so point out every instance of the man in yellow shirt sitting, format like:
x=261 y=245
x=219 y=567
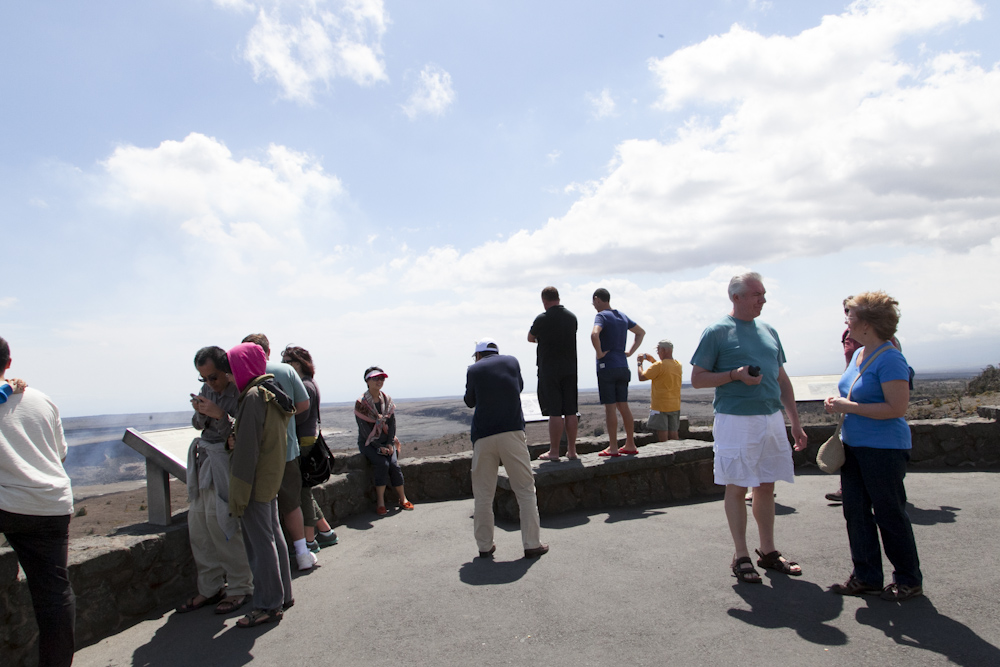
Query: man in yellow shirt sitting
x=665 y=396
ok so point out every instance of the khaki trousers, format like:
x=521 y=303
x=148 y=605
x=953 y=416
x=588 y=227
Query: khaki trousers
x=214 y=555
x=509 y=449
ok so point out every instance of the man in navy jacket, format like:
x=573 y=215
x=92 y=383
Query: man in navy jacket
x=493 y=387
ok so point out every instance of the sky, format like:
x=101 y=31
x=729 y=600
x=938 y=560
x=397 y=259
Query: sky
x=385 y=182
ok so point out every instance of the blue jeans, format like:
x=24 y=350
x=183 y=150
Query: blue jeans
x=42 y=547
x=875 y=502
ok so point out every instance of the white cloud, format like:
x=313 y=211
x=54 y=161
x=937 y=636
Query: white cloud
x=553 y=156
x=603 y=104
x=38 y=202
x=956 y=329
x=307 y=44
x=844 y=58
x=938 y=292
x=245 y=208
x=828 y=141
x=433 y=95
x=7 y=301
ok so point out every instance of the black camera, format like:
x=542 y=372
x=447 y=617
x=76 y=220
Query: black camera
x=754 y=371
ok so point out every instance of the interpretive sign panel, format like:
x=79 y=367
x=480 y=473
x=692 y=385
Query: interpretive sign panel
x=166 y=454
x=814 y=387
x=529 y=406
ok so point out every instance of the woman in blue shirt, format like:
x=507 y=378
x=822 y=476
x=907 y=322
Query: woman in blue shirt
x=877 y=446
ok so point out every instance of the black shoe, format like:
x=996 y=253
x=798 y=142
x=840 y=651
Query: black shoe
x=854 y=586
x=837 y=497
x=326 y=540
x=899 y=592
x=488 y=554
x=537 y=551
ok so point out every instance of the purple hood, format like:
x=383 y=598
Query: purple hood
x=247 y=361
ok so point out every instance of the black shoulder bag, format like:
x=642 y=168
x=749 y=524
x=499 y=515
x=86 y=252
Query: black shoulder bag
x=317 y=465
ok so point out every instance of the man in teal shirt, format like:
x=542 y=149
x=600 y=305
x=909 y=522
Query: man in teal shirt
x=742 y=358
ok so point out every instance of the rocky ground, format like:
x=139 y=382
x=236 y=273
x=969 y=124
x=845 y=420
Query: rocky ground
x=931 y=399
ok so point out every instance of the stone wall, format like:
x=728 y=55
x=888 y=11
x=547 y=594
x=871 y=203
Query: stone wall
x=937 y=443
x=121 y=578
x=661 y=472
x=349 y=491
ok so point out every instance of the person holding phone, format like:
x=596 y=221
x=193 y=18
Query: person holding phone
x=216 y=538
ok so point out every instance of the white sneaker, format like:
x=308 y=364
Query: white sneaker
x=306 y=561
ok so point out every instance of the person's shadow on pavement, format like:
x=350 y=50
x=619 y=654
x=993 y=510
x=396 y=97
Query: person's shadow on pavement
x=489 y=572
x=792 y=603
x=918 y=624
x=191 y=639
x=930 y=517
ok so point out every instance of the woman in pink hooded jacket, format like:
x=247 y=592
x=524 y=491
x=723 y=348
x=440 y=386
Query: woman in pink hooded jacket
x=259 y=442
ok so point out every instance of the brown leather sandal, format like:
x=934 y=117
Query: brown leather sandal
x=229 y=605
x=259 y=617
x=743 y=570
x=775 y=561
x=191 y=605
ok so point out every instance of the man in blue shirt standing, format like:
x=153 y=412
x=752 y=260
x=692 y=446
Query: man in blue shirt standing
x=743 y=359
x=493 y=387
x=609 y=336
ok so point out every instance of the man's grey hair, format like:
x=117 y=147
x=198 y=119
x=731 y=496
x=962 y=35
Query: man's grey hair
x=665 y=344
x=738 y=284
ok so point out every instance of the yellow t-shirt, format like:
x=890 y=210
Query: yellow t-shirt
x=665 y=395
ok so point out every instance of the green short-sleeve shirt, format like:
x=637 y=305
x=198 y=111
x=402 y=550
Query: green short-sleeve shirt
x=731 y=343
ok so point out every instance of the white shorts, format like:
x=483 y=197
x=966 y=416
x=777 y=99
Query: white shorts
x=751 y=450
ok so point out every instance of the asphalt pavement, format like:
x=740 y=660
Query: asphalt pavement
x=647 y=585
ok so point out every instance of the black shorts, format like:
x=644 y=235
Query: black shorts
x=612 y=385
x=557 y=394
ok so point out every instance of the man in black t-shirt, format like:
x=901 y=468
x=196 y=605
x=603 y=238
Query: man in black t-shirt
x=555 y=332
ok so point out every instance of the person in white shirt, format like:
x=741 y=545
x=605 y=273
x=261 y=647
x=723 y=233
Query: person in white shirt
x=36 y=503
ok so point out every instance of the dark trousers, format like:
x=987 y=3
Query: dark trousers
x=42 y=547
x=385 y=469
x=875 y=502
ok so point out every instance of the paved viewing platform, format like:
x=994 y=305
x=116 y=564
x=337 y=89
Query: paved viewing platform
x=643 y=585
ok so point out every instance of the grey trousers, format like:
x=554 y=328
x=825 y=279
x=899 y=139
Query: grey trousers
x=214 y=555
x=267 y=552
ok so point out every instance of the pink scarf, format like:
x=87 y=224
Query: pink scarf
x=364 y=408
x=247 y=361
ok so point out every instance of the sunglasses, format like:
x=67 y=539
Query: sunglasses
x=211 y=378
